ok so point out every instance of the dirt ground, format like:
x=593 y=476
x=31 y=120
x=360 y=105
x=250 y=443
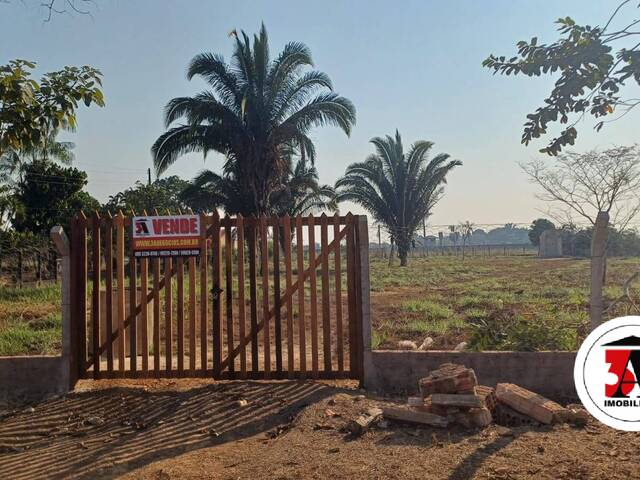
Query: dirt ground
x=175 y=429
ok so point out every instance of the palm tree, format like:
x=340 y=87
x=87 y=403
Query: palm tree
x=398 y=189
x=12 y=168
x=12 y=162
x=258 y=108
x=297 y=192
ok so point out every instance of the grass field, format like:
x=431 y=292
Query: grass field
x=30 y=320
x=493 y=303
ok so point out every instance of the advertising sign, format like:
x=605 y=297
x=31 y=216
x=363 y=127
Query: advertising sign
x=166 y=236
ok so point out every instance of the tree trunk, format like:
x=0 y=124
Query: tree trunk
x=404 y=244
x=598 y=265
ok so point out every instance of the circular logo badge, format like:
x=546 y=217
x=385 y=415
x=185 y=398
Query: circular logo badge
x=607 y=373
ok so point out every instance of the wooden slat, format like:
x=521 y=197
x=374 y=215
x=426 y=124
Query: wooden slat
x=276 y=295
x=228 y=252
x=83 y=290
x=168 y=314
x=216 y=294
x=95 y=307
x=264 y=255
x=313 y=298
x=75 y=362
x=192 y=313
x=133 y=318
x=241 y=312
x=326 y=303
x=119 y=221
x=180 y=287
x=301 y=315
x=289 y=293
x=156 y=316
x=108 y=259
x=253 y=298
x=289 y=268
x=144 y=314
x=204 y=294
x=351 y=296
x=338 y=292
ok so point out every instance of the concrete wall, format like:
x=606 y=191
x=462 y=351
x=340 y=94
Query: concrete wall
x=398 y=372
x=28 y=378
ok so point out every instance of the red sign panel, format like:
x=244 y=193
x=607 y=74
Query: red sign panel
x=166 y=236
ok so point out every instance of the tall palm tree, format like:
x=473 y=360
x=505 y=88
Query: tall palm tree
x=398 y=189
x=258 y=108
x=298 y=192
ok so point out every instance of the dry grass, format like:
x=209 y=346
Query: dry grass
x=497 y=303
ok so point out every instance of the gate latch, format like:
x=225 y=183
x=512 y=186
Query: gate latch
x=215 y=292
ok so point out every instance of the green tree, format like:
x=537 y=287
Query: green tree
x=538 y=226
x=48 y=195
x=257 y=110
x=398 y=189
x=163 y=194
x=594 y=63
x=32 y=112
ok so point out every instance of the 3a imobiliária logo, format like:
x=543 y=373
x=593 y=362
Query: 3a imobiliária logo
x=607 y=373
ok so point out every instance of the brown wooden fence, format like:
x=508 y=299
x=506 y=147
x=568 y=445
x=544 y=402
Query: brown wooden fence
x=274 y=297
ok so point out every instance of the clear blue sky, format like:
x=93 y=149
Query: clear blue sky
x=411 y=65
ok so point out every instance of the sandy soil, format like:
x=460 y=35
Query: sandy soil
x=175 y=429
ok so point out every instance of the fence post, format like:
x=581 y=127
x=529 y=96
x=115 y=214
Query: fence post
x=61 y=243
x=38 y=268
x=19 y=273
x=362 y=273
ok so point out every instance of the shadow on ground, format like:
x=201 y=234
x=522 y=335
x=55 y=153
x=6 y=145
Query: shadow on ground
x=108 y=432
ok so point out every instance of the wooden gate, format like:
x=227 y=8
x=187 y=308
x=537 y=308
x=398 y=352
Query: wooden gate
x=268 y=297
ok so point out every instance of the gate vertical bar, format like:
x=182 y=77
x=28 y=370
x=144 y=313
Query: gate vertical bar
x=216 y=291
x=338 y=292
x=119 y=220
x=204 y=290
x=301 y=316
x=108 y=260
x=264 y=257
x=314 y=297
x=326 y=303
x=95 y=307
x=192 y=314
x=289 y=274
x=168 y=314
x=156 y=316
x=228 y=256
x=144 y=314
x=241 y=312
x=133 y=318
x=276 y=293
x=82 y=304
x=180 y=287
x=253 y=293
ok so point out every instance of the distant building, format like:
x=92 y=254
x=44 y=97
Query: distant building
x=550 y=244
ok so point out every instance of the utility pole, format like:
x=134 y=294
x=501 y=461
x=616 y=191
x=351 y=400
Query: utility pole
x=424 y=237
x=149 y=176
